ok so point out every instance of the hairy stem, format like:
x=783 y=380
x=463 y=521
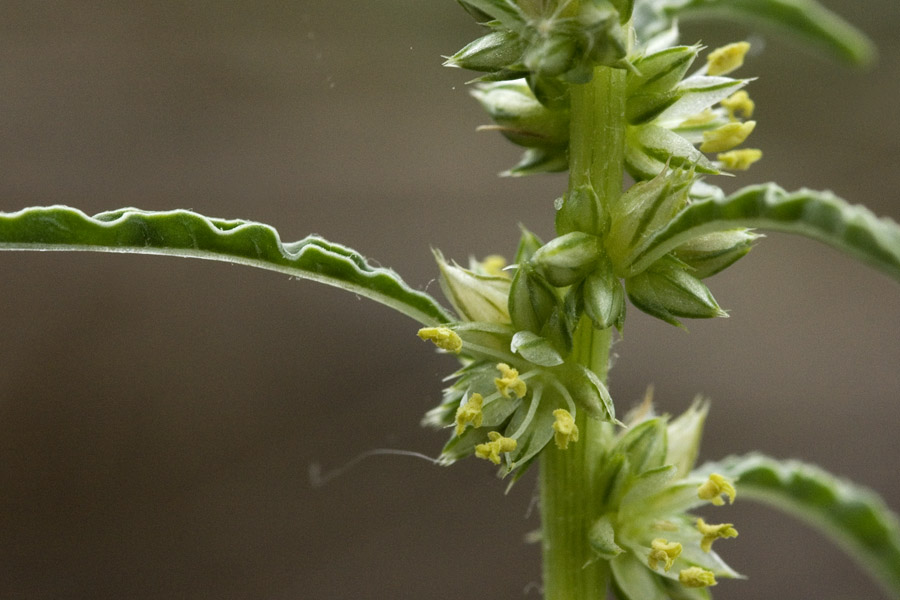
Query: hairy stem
x=568 y=509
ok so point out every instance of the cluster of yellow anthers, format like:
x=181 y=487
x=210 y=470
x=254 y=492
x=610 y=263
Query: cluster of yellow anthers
x=661 y=550
x=721 y=62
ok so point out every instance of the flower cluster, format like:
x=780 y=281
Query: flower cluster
x=646 y=487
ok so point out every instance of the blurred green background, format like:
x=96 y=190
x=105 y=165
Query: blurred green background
x=158 y=417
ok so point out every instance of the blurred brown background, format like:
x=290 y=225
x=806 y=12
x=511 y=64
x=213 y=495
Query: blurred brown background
x=158 y=416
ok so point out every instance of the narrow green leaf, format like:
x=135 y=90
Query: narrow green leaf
x=854 y=517
x=805 y=20
x=187 y=234
x=818 y=215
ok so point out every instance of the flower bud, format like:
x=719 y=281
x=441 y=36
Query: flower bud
x=684 y=434
x=641 y=211
x=566 y=260
x=475 y=297
x=581 y=210
x=604 y=298
x=666 y=290
x=655 y=87
x=660 y=72
x=708 y=254
x=551 y=56
x=489 y=53
x=531 y=300
x=520 y=117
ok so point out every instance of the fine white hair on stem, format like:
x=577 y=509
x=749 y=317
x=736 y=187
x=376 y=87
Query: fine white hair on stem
x=317 y=479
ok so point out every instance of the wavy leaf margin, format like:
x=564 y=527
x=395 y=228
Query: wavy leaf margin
x=822 y=216
x=854 y=517
x=805 y=20
x=188 y=234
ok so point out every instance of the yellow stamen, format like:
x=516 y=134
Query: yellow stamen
x=713 y=532
x=713 y=489
x=493 y=265
x=696 y=577
x=739 y=102
x=726 y=59
x=701 y=118
x=726 y=137
x=739 y=160
x=565 y=428
x=662 y=550
x=469 y=413
x=491 y=450
x=663 y=525
x=509 y=381
x=443 y=337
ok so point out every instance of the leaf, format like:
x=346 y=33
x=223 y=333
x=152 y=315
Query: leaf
x=187 y=234
x=854 y=517
x=806 y=20
x=818 y=215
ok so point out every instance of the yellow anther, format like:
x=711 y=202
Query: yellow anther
x=695 y=577
x=493 y=265
x=713 y=532
x=726 y=59
x=509 y=381
x=739 y=160
x=469 y=413
x=726 y=137
x=713 y=489
x=662 y=550
x=663 y=525
x=443 y=337
x=701 y=118
x=491 y=450
x=739 y=102
x=565 y=428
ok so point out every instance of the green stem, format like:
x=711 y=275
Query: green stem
x=568 y=509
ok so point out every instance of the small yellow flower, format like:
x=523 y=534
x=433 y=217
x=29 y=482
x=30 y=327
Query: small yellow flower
x=726 y=59
x=696 y=577
x=713 y=489
x=713 y=532
x=662 y=550
x=509 y=381
x=491 y=450
x=565 y=428
x=443 y=337
x=739 y=102
x=469 y=413
x=726 y=137
x=739 y=160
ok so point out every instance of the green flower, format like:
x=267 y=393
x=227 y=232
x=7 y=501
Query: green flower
x=645 y=489
x=669 y=114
